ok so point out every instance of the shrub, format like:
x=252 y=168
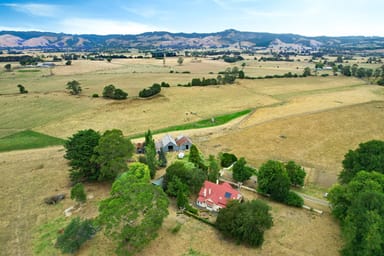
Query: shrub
x=78 y=193
x=75 y=234
x=226 y=159
x=164 y=84
x=151 y=91
x=68 y=63
x=110 y=91
x=95 y=95
x=294 y=199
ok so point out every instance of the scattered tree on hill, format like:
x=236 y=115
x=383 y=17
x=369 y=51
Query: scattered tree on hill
x=151 y=91
x=74 y=87
x=150 y=153
x=180 y=60
x=78 y=193
x=245 y=222
x=240 y=171
x=369 y=156
x=133 y=213
x=68 y=63
x=296 y=173
x=8 y=67
x=307 y=72
x=80 y=149
x=110 y=91
x=22 y=89
x=75 y=234
x=112 y=154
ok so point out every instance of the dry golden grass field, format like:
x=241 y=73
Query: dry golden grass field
x=313 y=121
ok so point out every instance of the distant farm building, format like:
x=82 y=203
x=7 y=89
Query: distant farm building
x=169 y=144
x=214 y=196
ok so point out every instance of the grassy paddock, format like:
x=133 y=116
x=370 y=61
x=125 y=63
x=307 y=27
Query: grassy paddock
x=27 y=140
x=219 y=120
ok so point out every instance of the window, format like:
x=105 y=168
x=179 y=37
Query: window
x=227 y=195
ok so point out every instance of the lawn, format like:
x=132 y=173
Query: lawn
x=27 y=140
x=214 y=121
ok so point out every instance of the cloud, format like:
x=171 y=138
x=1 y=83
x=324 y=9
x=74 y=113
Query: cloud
x=45 y=10
x=145 y=12
x=103 y=26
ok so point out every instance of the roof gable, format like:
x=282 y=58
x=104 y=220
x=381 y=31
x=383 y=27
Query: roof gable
x=182 y=140
x=218 y=193
x=167 y=139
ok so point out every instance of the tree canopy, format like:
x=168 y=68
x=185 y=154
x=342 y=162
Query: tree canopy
x=74 y=87
x=245 y=222
x=110 y=91
x=188 y=174
x=273 y=179
x=133 y=213
x=150 y=153
x=240 y=171
x=369 y=156
x=80 y=148
x=75 y=234
x=112 y=153
x=359 y=205
x=296 y=173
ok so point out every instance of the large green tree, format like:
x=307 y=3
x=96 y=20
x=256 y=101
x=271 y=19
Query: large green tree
x=112 y=154
x=80 y=148
x=296 y=173
x=359 y=205
x=188 y=174
x=74 y=87
x=150 y=153
x=196 y=158
x=133 y=213
x=245 y=222
x=213 y=169
x=273 y=179
x=140 y=171
x=240 y=171
x=369 y=156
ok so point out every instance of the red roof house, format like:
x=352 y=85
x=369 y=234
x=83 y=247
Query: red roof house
x=214 y=196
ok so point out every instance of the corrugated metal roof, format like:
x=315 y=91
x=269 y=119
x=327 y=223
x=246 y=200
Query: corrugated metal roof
x=167 y=139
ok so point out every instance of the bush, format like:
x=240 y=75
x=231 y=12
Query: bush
x=294 y=199
x=75 y=234
x=68 y=63
x=78 y=193
x=151 y=91
x=226 y=159
x=95 y=95
x=110 y=91
x=164 y=84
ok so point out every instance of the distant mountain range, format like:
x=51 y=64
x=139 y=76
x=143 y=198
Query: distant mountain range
x=158 y=40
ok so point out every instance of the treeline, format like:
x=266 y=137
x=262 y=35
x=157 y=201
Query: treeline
x=358 y=201
x=23 y=59
x=228 y=76
x=376 y=75
x=153 y=90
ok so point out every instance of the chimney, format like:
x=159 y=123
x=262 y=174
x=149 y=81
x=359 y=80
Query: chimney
x=209 y=191
x=217 y=181
x=205 y=192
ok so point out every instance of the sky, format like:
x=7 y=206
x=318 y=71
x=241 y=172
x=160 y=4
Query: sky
x=303 y=17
